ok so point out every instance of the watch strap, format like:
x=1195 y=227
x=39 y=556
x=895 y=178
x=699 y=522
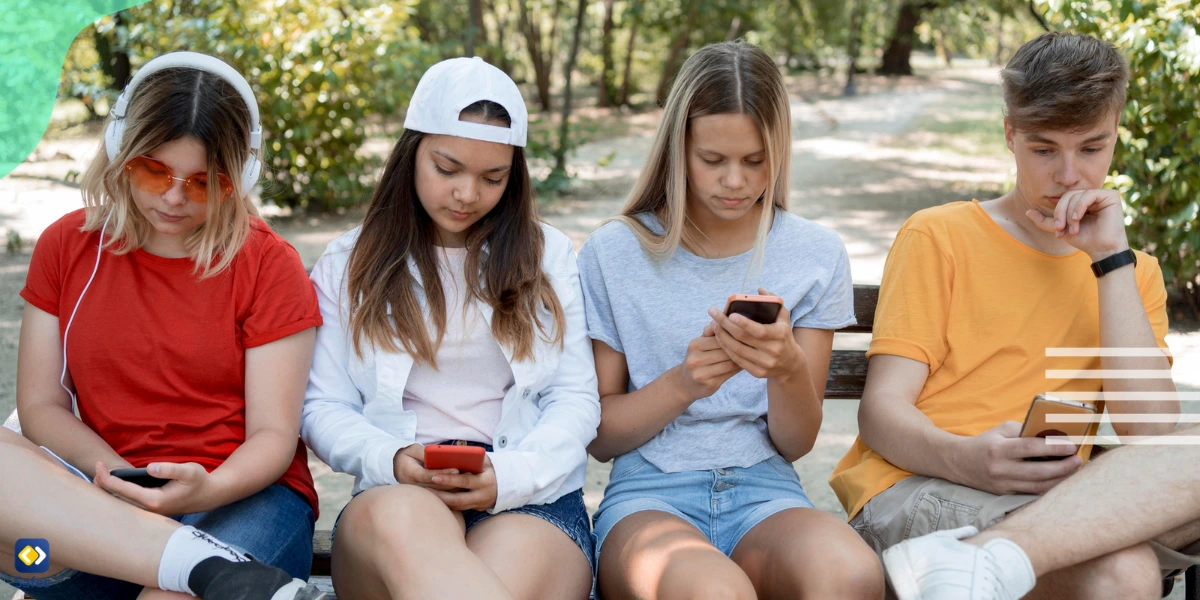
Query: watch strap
x=1104 y=266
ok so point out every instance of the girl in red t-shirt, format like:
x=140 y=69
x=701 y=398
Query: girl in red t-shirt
x=186 y=327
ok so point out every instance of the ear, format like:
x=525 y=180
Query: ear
x=1009 y=132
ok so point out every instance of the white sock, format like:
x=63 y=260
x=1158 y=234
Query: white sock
x=185 y=549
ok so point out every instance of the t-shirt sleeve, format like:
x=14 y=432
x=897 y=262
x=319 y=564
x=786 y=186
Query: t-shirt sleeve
x=43 y=281
x=835 y=308
x=284 y=300
x=597 y=308
x=1154 y=299
x=914 y=301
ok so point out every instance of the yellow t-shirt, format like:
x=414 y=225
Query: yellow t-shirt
x=980 y=308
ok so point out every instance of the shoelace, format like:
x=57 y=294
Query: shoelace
x=990 y=585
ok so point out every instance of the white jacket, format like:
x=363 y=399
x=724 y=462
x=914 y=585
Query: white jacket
x=354 y=416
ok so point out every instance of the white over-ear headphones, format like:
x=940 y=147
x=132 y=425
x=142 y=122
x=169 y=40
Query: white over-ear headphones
x=116 y=130
x=190 y=60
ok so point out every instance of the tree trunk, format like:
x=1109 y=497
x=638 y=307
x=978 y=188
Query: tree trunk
x=999 y=40
x=677 y=48
x=114 y=59
x=564 y=129
x=940 y=38
x=899 y=51
x=623 y=95
x=734 y=27
x=501 y=26
x=856 y=19
x=474 y=27
x=541 y=70
x=605 y=85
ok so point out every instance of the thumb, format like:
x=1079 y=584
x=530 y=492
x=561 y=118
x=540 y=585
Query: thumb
x=1041 y=221
x=183 y=472
x=1008 y=429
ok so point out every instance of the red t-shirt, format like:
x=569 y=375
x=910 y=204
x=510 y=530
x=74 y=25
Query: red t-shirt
x=158 y=355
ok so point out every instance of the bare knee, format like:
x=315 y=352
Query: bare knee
x=1129 y=573
x=851 y=571
x=395 y=516
x=716 y=586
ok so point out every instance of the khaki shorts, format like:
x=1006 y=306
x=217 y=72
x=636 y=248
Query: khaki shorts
x=919 y=505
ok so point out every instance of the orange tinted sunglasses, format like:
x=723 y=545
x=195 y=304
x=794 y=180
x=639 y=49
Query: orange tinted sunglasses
x=153 y=176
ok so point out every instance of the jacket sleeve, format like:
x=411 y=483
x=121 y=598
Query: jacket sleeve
x=333 y=424
x=536 y=470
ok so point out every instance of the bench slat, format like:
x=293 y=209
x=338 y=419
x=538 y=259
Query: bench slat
x=865 y=298
x=847 y=375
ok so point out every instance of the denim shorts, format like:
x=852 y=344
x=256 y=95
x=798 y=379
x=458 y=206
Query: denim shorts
x=724 y=504
x=568 y=513
x=275 y=526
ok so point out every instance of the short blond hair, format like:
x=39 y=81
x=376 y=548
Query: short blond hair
x=169 y=105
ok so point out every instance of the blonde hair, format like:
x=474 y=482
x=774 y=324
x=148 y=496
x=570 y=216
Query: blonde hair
x=724 y=78
x=169 y=105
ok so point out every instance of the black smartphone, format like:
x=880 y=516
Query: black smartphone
x=761 y=309
x=140 y=477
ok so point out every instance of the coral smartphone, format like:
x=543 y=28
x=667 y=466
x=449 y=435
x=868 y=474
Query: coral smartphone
x=140 y=477
x=467 y=459
x=1038 y=425
x=762 y=309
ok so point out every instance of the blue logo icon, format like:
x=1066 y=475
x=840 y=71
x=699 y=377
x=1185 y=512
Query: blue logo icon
x=31 y=555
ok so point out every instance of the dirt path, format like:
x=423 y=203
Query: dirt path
x=860 y=166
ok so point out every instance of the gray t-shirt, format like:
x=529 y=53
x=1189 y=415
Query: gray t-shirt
x=650 y=310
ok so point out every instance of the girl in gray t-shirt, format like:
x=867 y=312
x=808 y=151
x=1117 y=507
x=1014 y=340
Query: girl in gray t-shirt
x=704 y=412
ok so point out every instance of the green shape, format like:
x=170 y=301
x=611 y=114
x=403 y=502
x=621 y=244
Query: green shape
x=34 y=38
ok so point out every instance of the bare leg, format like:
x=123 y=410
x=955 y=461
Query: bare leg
x=533 y=558
x=401 y=541
x=1130 y=574
x=807 y=553
x=656 y=555
x=1122 y=499
x=75 y=517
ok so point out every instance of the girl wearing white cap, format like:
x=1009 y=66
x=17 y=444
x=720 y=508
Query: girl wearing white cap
x=453 y=316
x=704 y=412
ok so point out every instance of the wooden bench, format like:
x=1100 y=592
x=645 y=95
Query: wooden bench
x=847 y=378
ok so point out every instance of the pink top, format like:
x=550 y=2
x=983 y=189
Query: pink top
x=461 y=400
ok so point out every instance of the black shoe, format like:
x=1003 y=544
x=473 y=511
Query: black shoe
x=220 y=579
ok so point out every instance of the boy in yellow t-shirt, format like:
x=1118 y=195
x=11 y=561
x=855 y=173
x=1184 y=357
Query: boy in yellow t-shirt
x=986 y=304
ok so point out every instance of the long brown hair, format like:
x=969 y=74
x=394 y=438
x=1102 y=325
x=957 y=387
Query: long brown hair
x=169 y=105
x=504 y=248
x=722 y=78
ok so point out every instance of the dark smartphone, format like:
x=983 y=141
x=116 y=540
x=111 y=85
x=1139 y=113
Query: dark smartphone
x=761 y=309
x=140 y=477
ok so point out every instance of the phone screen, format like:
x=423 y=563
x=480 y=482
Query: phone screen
x=761 y=312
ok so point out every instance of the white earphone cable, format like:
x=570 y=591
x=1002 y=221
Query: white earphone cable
x=62 y=380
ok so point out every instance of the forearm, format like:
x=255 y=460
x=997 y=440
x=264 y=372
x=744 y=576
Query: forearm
x=905 y=437
x=793 y=412
x=632 y=419
x=1123 y=326
x=63 y=433
x=260 y=461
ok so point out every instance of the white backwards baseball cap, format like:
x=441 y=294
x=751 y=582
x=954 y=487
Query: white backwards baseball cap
x=452 y=85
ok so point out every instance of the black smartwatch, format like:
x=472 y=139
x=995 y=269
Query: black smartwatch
x=1114 y=262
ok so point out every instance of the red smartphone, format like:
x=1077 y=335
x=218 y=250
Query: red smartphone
x=467 y=459
x=761 y=309
x=1038 y=423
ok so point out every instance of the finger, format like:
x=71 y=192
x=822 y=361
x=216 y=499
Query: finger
x=1045 y=470
x=1060 y=211
x=741 y=328
x=1027 y=447
x=752 y=359
x=131 y=492
x=708 y=330
x=180 y=471
x=716 y=372
x=704 y=344
x=1078 y=208
x=462 y=481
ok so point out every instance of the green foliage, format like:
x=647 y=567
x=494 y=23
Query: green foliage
x=324 y=73
x=1156 y=167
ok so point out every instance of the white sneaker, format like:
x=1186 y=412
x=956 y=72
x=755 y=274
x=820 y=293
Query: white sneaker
x=940 y=567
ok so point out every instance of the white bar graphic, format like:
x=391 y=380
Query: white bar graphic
x=1134 y=418
x=1107 y=374
x=1129 y=440
x=1126 y=396
x=1109 y=352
